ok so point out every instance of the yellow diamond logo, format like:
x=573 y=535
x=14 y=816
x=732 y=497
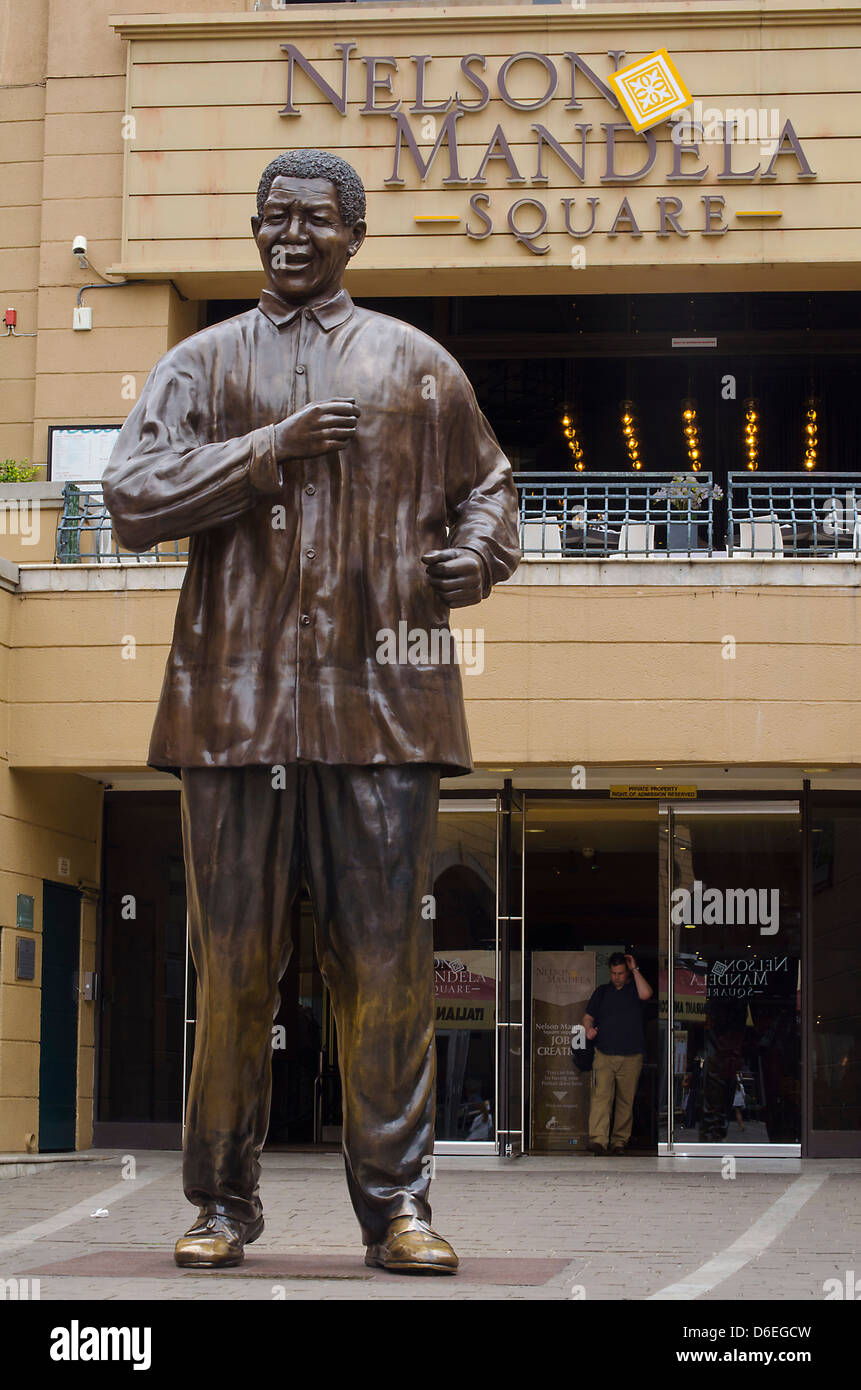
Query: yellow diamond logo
x=650 y=90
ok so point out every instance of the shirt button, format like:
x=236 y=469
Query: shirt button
x=310 y=489
x=305 y=619
x=300 y=370
x=312 y=554
x=309 y=314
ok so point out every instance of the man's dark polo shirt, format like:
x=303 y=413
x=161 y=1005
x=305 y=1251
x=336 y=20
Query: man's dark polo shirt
x=618 y=1014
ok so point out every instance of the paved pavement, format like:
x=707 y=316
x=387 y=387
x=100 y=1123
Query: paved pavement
x=534 y=1228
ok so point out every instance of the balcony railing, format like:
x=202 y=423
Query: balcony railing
x=595 y=516
x=608 y=515
x=784 y=514
x=605 y=515
x=85 y=535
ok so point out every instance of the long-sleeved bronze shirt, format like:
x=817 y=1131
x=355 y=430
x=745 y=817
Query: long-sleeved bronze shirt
x=295 y=569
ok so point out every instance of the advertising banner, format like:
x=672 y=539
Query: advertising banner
x=465 y=989
x=562 y=984
x=689 y=999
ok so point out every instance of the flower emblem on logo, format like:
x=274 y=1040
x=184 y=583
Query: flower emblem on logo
x=650 y=90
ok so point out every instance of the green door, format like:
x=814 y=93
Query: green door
x=61 y=916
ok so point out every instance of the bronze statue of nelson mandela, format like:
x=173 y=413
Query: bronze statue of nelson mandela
x=336 y=477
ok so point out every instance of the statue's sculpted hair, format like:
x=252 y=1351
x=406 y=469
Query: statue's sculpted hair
x=318 y=164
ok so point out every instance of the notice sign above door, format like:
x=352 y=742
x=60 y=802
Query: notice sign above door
x=650 y=792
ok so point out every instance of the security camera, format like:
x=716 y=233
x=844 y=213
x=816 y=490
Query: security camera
x=79 y=249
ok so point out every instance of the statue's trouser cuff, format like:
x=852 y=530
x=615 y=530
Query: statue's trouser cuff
x=365 y=838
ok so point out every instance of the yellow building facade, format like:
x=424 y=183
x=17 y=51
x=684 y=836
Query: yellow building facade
x=633 y=703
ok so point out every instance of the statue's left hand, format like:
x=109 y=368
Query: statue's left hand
x=456 y=575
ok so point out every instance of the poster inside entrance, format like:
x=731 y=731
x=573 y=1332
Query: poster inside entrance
x=562 y=984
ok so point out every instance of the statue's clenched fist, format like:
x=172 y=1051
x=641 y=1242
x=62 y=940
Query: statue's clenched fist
x=319 y=428
x=456 y=575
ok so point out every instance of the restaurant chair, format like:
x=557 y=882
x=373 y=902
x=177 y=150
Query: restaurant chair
x=636 y=538
x=833 y=516
x=543 y=536
x=761 y=536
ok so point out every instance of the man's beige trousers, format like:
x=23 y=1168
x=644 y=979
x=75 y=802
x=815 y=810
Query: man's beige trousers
x=613 y=1075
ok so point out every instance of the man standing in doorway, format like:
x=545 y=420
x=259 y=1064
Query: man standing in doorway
x=614 y=1021
x=340 y=486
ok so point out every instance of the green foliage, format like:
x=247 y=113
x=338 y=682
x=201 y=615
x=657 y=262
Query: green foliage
x=14 y=472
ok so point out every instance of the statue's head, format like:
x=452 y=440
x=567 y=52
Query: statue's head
x=310 y=221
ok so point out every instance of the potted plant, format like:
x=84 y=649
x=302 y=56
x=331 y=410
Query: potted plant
x=14 y=472
x=686 y=494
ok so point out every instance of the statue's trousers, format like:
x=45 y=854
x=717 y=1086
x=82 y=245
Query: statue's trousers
x=364 y=838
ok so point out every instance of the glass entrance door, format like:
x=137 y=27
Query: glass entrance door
x=591 y=897
x=833 y=1064
x=466 y=976
x=730 y=982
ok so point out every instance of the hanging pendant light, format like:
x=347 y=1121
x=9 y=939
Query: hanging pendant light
x=751 y=433
x=811 y=433
x=691 y=430
x=630 y=435
x=569 y=430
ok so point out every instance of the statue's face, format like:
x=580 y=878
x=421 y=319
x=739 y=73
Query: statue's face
x=303 y=244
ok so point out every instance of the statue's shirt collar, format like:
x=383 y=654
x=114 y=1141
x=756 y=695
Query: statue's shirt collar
x=328 y=315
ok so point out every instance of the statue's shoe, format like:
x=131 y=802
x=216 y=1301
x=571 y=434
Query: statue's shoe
x=216 y=1241
x=411 y=1247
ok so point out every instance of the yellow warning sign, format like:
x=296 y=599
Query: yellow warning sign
x=655 y=793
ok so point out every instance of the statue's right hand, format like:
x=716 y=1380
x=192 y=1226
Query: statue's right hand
x=319 y=428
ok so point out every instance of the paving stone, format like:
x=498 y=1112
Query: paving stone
x=620 y=1230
